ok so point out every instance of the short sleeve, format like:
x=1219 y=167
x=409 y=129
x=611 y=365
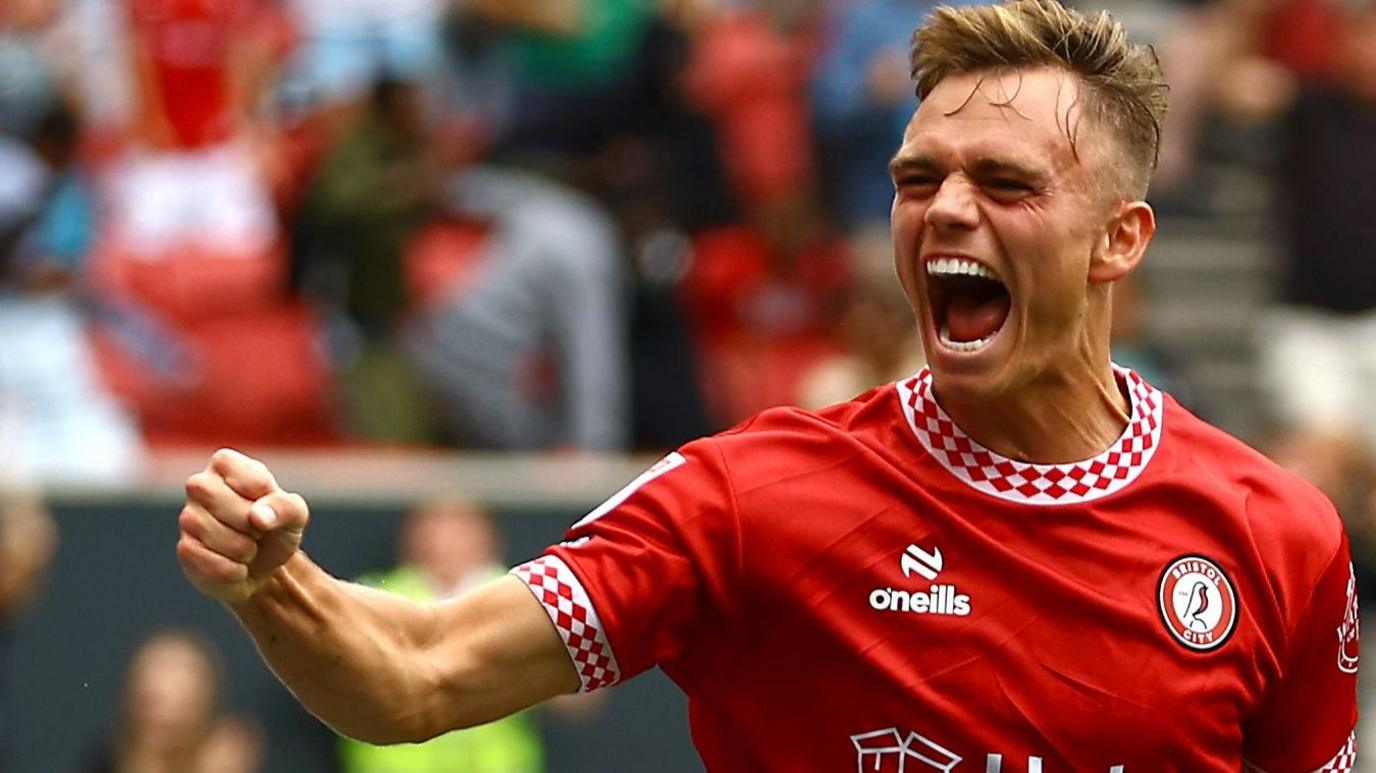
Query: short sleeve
x=1307 y=718
x=642 y=578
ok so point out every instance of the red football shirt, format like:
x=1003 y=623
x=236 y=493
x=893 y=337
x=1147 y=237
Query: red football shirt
x=187 y=46
x=866 y=588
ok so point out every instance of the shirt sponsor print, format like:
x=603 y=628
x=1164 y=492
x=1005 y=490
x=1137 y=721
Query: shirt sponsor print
x=890 y=751
x=935 y=599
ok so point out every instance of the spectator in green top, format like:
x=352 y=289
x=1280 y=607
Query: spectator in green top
x=447 y=548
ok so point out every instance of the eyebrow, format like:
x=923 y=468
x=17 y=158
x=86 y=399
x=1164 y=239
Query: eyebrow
x=901 y=163
x=981 y=167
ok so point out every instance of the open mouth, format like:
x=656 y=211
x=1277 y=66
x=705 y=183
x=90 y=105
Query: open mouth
x=969 y=303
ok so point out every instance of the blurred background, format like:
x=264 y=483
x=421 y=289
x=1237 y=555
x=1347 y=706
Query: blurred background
x=459 y=269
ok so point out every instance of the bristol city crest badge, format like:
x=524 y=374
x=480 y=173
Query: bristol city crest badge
x=1197 y=602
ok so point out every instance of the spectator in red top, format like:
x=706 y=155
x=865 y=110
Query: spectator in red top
x=193 y=181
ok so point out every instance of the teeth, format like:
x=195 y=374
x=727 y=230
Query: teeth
x=959 y=267
x=962 y=346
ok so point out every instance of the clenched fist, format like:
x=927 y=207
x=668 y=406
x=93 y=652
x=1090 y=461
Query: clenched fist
x=237 y=527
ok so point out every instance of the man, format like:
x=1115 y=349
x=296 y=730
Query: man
x=448 y=548
x=924 y=575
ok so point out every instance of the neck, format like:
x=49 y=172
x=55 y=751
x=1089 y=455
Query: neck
x=1066 y=416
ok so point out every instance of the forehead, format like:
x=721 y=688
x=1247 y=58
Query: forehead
x=1020 y=116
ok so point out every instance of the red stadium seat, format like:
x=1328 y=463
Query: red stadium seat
x=193 y=285
x=250 y=378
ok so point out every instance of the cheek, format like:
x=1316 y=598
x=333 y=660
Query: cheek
x=1048 y=273
x=906 y=222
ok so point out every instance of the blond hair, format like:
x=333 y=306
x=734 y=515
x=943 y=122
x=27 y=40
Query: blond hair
x=1121 y=82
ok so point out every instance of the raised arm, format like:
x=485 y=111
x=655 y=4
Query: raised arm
x=369 y=664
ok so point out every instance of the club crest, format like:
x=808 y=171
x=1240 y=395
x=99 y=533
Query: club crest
x=1197 y=603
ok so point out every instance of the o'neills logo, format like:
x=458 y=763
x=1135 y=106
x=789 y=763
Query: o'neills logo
x=1198 y=603
x=936 y=600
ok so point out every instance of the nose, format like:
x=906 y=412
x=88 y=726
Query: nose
x=953 y=205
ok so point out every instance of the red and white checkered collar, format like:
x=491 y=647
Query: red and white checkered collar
x=1037 y=484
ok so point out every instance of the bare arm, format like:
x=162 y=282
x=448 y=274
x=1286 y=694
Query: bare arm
x=371 y=665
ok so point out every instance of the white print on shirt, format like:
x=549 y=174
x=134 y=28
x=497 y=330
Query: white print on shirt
x=936 y=600
x=671 y=462
x=994 y=764
x=929 y=565
x=889 y=751
x=1350 y=631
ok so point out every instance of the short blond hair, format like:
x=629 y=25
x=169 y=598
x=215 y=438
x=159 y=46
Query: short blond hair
x=1122 y=83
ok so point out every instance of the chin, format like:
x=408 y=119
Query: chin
x=980 y=375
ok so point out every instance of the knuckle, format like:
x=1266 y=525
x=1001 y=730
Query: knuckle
x=223 y=457
x=294 y=506
x=241 y=549
x=250 y=552
x=261 y=475
x=188 y=553
x=229 y=573
x=198 y=485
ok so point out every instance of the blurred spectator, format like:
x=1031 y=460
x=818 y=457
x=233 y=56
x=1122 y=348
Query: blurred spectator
x=591 y=93
x=519 y=341
x=372 y=192
x=170 y=720
x=576 y=86
x=28 y=81
x=348 y=46
x=862 y=98
x=72 y=50
x=448 y=548
x=762 y=301
x=28 y=540
x=1199 y=36
x=56 y=421
x=203 y=339
x=1319 y=343
x=750 y=71
x=527 y=348
x=191 y=181
x=878 y=336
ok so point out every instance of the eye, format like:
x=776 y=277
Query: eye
x=915 y=183
x=1008 y=188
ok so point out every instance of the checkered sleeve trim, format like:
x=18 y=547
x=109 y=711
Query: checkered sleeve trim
x=567 y=603
x=1345 y=759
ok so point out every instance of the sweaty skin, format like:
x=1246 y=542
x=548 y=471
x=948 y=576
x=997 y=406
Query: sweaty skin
x=371 y=665
x=987 y=171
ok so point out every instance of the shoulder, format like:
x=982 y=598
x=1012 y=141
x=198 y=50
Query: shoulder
x=1284 y=514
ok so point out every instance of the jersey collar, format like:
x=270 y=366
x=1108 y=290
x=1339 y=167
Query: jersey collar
x=1037 y=484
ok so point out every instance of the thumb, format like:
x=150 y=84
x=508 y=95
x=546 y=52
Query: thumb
x=279 y=511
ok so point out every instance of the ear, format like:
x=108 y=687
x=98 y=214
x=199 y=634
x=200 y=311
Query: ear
x=1124 y=242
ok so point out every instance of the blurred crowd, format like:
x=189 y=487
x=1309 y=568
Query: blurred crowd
x=529 y=224
x=566 y=225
